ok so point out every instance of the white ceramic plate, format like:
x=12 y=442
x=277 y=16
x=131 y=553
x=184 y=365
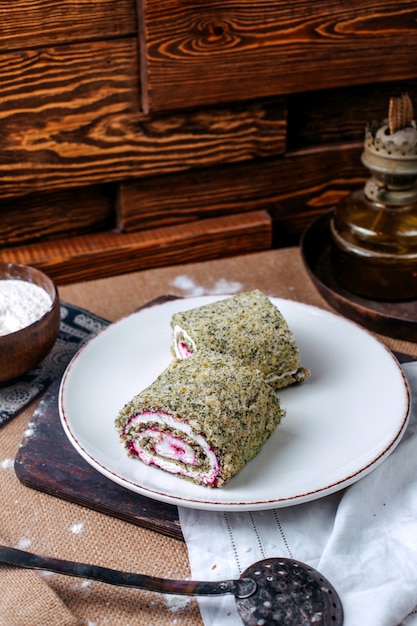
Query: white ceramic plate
x=340 y=424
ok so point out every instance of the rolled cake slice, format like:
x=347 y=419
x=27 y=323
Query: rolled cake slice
x=203 y=418
x=248 y=326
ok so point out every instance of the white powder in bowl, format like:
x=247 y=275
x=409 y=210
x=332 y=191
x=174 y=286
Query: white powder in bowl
x=21 y=304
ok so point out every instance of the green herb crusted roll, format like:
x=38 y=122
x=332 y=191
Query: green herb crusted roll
x=203 y=418
x=248 y=326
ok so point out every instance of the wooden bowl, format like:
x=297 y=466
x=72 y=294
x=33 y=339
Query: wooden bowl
x=23 y=349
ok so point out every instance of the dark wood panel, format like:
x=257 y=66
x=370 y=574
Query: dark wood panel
x=338 y=115
x=41 y=217
x=37 y=23
x=293 y=188
x=108 y=254
x=326 y=175
x=70 y=117
x=64 y=113
x=210 y=51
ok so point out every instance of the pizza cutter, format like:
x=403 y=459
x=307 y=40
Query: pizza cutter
x=275 y=591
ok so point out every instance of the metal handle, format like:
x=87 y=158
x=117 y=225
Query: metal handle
x=241 y=588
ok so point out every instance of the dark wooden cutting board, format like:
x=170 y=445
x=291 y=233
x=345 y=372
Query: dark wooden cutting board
x=47 y=461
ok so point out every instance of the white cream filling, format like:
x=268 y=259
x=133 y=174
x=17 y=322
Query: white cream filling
x=170 y=452
x=181 y=340
x=280 y=376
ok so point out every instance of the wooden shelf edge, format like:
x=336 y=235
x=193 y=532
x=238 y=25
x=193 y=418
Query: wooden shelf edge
x=107 y=254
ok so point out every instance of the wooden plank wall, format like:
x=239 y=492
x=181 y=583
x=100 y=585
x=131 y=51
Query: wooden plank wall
x=137 y=135
x=212 y=51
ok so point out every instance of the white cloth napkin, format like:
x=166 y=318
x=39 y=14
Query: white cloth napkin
x=363 y=539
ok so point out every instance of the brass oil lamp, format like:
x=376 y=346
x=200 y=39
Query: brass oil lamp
x=374 y=229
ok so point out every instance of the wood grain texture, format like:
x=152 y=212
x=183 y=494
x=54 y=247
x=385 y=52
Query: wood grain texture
x=325 y=177
x=42 y=216
x=333 y=116
x=63 y=114
x=254 y=106
x=106 y=254
x=69 y=117
x=211 y=51
x=37 y=23
x=294 y=189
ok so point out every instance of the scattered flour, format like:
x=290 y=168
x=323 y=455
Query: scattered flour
x=78 y=528
x=21 y=304
x=23 y=543
x=83 y=587
x=85 y=584
x=176 y=603
x=7 y=464
x=46 y=575
x=191 y=288
x=30 y=430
